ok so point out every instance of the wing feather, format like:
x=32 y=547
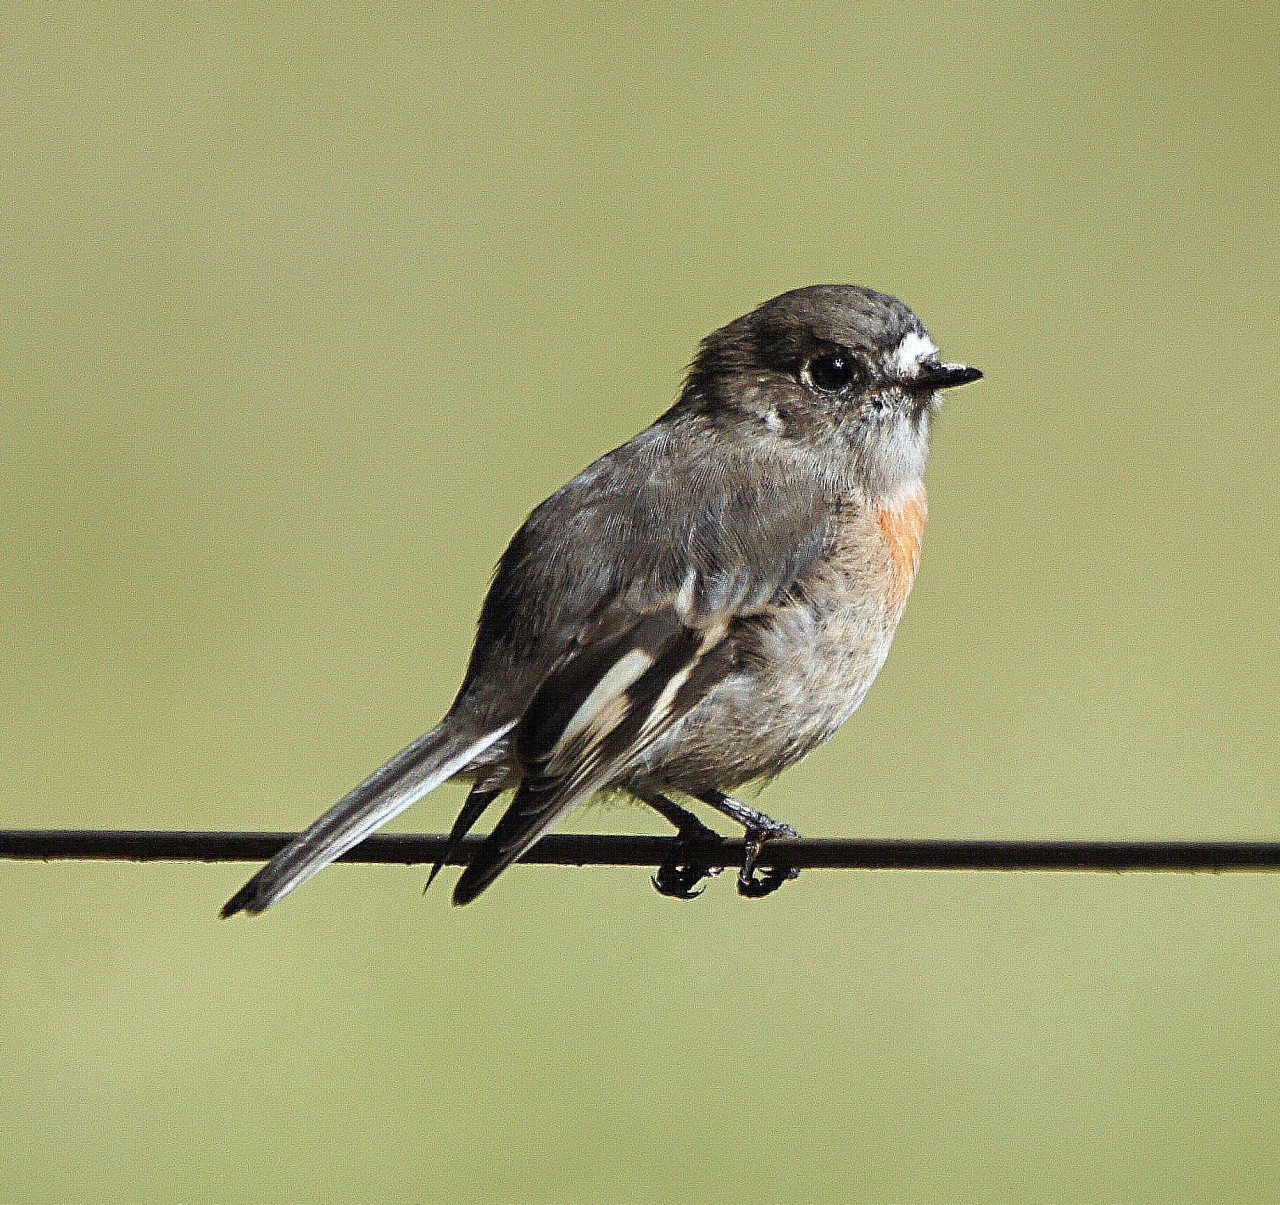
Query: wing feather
x=619 y=718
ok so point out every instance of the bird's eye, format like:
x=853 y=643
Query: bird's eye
x=830 y=372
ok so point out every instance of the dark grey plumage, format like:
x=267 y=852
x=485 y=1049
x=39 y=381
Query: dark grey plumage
x=701 y=606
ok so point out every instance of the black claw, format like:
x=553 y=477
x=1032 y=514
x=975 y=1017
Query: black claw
x=678 y=877
x=681 y=882
x=765 y=883
x=753 y=885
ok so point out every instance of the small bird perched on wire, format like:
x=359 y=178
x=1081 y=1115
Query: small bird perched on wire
x=701 y=607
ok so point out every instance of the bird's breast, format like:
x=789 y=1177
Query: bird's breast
x=821 y=651
x=901 y=525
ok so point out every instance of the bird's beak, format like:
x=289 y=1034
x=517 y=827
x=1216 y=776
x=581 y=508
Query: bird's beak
x=942 y=376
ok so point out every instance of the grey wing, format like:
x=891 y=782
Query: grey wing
x=674 y=510
x=681 y=571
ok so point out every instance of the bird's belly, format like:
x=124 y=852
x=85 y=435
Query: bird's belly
x=815 y=670
x=804 y=666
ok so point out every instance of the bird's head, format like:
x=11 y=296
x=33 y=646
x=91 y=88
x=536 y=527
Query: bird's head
x=841 y=367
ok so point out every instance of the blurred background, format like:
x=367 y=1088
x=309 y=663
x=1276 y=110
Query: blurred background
x=305 y=310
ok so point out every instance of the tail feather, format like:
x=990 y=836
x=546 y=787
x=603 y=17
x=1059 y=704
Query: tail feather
x=482 y=795
x=388 y=791
x=535 y=809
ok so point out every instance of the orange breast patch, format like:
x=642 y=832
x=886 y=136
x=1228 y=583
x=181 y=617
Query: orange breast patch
x=902 y=526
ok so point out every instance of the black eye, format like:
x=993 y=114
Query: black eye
x=830 y=372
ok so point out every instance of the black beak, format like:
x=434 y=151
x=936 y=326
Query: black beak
x=942 y=376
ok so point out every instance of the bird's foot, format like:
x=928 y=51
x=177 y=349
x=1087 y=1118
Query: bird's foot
x=760 y=828
x=753 y=883
x=678 y=877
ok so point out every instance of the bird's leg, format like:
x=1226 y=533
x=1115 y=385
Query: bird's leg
x=759 y=829
x=678 y=877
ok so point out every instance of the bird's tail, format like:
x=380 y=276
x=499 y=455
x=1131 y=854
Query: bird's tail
x=405 y=779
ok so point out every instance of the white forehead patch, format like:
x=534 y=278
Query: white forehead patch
x=913 y=349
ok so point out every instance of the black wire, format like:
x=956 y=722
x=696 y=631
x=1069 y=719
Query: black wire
x=595 y=849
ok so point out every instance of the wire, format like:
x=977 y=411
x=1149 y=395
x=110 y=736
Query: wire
x=597 y=849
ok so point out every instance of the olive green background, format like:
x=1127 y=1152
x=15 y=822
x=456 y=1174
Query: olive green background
x=304 y=309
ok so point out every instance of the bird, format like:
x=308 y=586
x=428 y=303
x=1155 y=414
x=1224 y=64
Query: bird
x=697 y=610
